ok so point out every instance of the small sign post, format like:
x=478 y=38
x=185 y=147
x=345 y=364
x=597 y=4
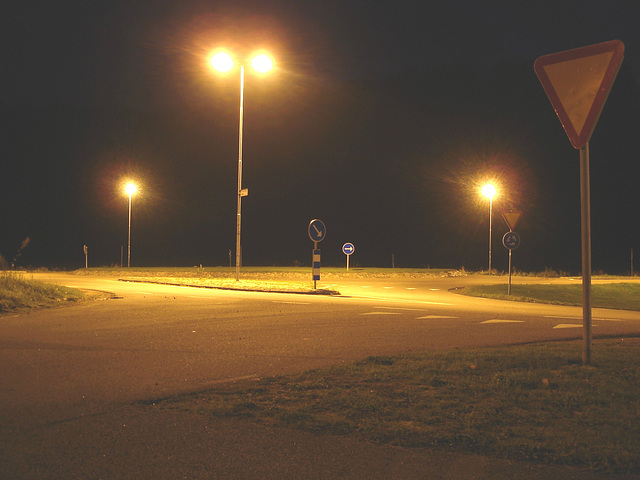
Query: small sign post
x=317 y=232
x=348 y=249
x=511 y=219
x=511 y=241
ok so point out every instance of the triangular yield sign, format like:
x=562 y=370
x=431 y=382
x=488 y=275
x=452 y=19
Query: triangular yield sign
x=577 y=83
x=512 y=219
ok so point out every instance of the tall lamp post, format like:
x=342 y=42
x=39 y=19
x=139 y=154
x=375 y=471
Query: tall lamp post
x=223 y=62
x=130 y=189
x=489 y=191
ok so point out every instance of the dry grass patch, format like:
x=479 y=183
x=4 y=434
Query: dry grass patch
x=533 y=402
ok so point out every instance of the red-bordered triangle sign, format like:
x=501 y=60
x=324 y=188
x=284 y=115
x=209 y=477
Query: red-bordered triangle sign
x=511 y=219
x=578 y=83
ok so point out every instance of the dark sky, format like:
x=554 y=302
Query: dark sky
x=381 y=119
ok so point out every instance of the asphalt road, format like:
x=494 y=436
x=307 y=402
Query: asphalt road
x=73 y=377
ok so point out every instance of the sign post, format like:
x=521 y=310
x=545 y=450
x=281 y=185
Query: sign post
x=511 y=239
x=578 y=83
x=348 y=250
x=316 y=265
x=317 y=232
x=511 y=219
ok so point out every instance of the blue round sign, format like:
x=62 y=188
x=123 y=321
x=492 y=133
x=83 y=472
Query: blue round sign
x=317 y=230
x=511 y=240
x=348 y=248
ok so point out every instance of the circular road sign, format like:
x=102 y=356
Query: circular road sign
x=317 y=230
x=511 y=240
x=348 y=248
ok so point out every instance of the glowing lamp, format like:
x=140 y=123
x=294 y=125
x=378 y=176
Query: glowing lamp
x=489 y=190
x=222 y=62
x=261 y=63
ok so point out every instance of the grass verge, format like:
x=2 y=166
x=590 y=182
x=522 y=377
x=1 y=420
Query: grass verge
x=16 y=292
x=533 y=402
x=270 y=272
x=259 y=279
x=613 y=295
x=245 y=284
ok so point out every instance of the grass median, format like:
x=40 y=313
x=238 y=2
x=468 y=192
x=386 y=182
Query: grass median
x=533 y=402
x=625 y=296
x=17 y=292
x=259 y=279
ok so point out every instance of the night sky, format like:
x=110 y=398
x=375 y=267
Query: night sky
x=381 y=118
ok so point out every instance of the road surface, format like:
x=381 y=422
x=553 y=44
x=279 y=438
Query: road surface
x=73 y=377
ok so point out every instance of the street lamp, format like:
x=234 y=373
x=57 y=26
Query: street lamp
x=489 y=191
x=223 y=62
x=130 y=189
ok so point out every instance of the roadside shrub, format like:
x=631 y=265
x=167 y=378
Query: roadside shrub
x=551 y=273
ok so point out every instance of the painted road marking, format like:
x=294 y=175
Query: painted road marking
x=291 y=303
x=384 y=299
x=402 y=308
x=497 y=320
x=380 y=313
x=424 y=317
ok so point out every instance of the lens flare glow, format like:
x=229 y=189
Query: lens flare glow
x=489 y=190
x=222 y=62
x=131 y=188
x=261 y=63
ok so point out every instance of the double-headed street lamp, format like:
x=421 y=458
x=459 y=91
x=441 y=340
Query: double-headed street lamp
x=130 y=189
x=489 y=191
x=223 y=62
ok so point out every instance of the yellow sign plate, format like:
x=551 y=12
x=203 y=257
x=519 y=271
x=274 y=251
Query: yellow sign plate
x=577 y=83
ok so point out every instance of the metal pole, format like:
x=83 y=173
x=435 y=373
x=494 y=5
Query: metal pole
x=315 y=247
x=129 y=238
x=586 y=253
x=509 y=289
x=490 y=220
x=239 y=211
